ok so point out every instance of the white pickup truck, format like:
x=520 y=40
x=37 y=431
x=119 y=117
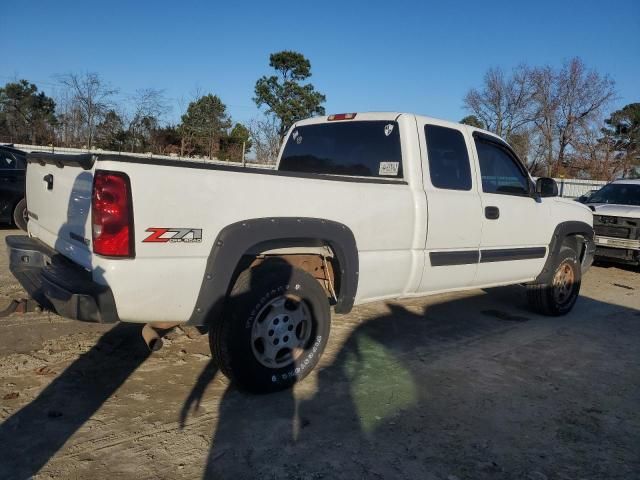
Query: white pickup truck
x=361 y=207
x=616 y=221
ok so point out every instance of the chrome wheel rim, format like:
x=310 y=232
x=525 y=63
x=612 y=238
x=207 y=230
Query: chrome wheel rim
x=281 y=331
x=563 y=282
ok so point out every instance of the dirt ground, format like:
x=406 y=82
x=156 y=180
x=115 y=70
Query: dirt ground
x=458 y=386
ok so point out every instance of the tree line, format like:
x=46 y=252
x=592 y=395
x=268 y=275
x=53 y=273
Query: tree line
x=555 y=118
x=86 y=114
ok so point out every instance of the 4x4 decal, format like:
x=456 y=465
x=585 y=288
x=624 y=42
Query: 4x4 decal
x=164 y=235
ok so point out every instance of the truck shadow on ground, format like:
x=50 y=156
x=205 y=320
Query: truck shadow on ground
x=35 y=433
x=618 y=265
x=474 y=388
x=38 y=431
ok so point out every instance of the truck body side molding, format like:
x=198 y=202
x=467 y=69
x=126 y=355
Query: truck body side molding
x=510 y=254
x=461 y=257
x=469 y=257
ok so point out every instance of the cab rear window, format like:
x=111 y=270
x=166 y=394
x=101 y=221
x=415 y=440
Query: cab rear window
x=353 y=148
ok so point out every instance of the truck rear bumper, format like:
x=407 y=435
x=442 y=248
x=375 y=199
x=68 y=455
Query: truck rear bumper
x=59 y=284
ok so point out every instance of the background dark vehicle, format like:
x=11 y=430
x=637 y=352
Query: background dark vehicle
x=618 y=193
x=13 y=206
x=586 y=198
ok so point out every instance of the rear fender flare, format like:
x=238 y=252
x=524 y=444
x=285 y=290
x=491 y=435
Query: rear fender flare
x=239 y=238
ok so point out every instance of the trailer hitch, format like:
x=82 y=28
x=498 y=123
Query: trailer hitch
x=21 y=306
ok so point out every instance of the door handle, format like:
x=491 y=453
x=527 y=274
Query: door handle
x=49 y=181
x=492 y=213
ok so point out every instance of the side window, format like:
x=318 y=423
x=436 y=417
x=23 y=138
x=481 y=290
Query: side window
x=21 y=163
x=448 y=158
x=500 y=171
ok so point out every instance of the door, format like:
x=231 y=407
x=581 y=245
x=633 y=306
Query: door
x=11 y=184
x=515 y=236
x=453 y=205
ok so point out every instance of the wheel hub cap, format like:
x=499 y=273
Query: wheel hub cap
x=281 y=331
x=563 y=282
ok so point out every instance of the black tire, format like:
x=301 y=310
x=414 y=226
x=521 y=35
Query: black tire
x=20 y=215
x=557 y=297
x=275 y=288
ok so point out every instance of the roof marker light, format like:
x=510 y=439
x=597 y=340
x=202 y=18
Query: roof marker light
x=341 y=116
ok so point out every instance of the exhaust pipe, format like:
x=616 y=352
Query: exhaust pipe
x=152 y=334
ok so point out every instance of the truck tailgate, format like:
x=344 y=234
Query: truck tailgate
x=59 y=203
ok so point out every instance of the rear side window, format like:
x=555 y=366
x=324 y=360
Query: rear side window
x=21 y=163
x=500 y=171
x=448 y=158
x=360 y=148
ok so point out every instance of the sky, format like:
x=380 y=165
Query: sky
x=410 y=56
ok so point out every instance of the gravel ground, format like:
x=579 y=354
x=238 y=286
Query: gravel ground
x=459 y=386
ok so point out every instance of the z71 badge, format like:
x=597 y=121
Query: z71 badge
x=164 y=235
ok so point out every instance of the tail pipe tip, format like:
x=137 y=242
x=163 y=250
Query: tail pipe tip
x=152 y=334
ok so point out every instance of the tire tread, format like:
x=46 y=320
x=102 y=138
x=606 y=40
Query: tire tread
x=18 y=220
x=223 y=331
x=539 y=295
x=220 y=330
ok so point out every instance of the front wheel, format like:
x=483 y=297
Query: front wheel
x=559 y=296
x=20 y=216
x=273 y=330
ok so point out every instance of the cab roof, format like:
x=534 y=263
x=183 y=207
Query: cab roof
x=392 y=116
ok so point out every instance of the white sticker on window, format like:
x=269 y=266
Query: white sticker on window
x=388 y=128
x=389 y=168
x=295 y=134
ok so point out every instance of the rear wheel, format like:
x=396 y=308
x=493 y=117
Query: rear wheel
x=20 y=216
x=558 y=296
x=273 y=330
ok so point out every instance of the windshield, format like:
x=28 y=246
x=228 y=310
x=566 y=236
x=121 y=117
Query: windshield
x=618 y=193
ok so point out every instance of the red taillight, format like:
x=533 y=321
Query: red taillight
x=111 y=214
x=342 y=116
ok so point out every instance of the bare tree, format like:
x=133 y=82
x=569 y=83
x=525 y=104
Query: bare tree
x=541 y=110
x=92 y=96
x=581 y=95
x=567 y=104
x=150 y=102
x=594 y=155
x=545 y=101
x=149 y=106
x=69 y=130
x=503 y=104
x=265 y=137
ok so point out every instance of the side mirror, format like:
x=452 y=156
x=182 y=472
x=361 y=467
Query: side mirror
x=546 y=187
